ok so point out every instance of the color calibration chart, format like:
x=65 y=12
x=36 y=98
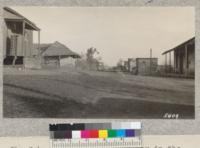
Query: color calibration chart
x=96 y=135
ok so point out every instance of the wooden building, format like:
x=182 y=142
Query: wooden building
x=56 y=55
x=183 y=61
x=17 y=37
x=142 y=66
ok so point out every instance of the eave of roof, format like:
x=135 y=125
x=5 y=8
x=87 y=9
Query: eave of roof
x=193 y=38
x=44 y=50
x=23 y=18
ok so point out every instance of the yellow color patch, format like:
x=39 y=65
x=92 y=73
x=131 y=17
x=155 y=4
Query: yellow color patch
x=103 y=133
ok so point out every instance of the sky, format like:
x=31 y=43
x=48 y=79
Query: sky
x=116 y=32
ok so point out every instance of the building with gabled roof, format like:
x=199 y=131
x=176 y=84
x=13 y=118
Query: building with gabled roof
x=56 y=54
x=17 y=37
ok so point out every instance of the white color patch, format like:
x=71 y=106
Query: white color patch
x=76 y=134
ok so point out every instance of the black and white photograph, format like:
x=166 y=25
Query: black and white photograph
x=99 y=62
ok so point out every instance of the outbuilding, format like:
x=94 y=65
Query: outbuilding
x=56 y=55
x=142 y=66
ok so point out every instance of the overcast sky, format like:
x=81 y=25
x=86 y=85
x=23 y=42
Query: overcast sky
x=117 y=32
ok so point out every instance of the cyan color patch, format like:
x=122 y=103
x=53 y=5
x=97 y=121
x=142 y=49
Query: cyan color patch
x=121 y=133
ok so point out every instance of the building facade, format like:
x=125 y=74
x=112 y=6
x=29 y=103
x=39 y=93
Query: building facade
x=17 y=37
x=183 y=58
x=142 y=66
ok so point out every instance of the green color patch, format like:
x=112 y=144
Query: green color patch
x=112 y=133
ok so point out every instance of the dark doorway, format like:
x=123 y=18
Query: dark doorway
x=8 y=60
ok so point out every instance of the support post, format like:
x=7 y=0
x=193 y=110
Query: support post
x=165 y=62
x=175 y=62
x=186 y=59
x=38 y=39
x=23 y=46
x=150 y=66
x=170 y=61
x=14 y=60
x=179 y=61
x=23 y=34
x=59 y=58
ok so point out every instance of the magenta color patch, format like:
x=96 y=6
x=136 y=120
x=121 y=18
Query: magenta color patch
x=85 y=134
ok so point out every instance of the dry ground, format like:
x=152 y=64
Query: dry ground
x=75 y=93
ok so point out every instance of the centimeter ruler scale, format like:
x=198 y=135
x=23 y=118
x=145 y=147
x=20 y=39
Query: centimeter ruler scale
x=96 y=135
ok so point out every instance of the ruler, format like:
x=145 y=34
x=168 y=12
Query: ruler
x=96 y=143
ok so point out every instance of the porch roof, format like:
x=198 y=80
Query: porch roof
x=20 y=17
x=182 y=44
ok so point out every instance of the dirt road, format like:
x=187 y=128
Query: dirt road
x=75 y=94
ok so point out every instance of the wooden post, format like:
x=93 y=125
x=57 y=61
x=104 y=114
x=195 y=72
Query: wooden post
x=15 y=49
x=165 y=62
x=178 y=61
x=170 y=61
x=38 y=39
x=14 y=59
x=59 y=58
x=23 y=47
x=175 y=61
x=186 y=59
x=23 y=33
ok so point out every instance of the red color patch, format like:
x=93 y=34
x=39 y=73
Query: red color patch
x=94 y=134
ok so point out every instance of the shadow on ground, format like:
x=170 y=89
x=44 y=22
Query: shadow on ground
x=74 y=94
x=36 y=107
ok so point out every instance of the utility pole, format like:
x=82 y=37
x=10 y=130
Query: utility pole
x=150 y=60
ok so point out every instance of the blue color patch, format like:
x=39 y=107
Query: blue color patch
x=130 y=133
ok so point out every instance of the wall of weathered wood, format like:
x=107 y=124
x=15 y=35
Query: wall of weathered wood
x=11 y=27
x=145 y=66
x=68 y=61
x=50 y=62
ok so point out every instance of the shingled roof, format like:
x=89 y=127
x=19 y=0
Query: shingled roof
x=55 y=49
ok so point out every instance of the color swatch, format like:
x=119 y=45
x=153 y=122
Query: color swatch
x=95 y=130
